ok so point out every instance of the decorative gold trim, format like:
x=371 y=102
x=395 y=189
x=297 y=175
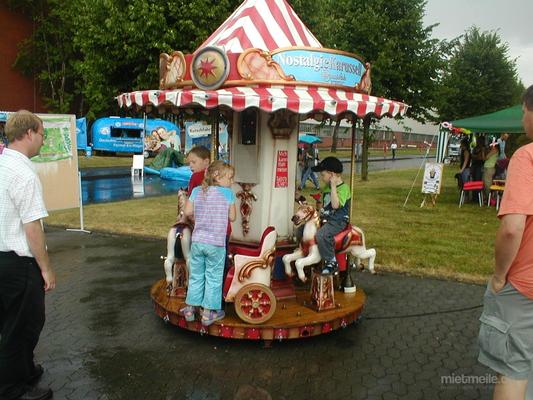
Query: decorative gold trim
x=264 y=262
x=257 y=83
x=365 y=84
x=166 y=64
x=319 y=50
x=246 y=196
x=224 y=74
x=242 y=65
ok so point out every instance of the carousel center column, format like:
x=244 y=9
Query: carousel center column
x=265 y=152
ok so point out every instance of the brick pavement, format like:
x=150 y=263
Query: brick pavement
x=102 y=340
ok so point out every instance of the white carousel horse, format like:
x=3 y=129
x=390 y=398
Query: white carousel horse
x=181 y=231
x=351 y=240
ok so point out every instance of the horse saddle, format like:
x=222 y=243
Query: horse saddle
x=346 y=238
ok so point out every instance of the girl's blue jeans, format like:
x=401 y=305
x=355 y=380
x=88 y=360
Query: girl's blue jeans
x=206 y=265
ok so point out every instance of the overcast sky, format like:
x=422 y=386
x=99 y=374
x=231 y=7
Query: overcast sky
x=512 y=18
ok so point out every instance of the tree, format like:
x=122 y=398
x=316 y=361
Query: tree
x=96 y=50
x=49 y=53
x=480 y=78
x=390 y=35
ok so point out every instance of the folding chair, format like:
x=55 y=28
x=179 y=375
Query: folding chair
x=472 y=186
x=138 y=164
x=497 y=187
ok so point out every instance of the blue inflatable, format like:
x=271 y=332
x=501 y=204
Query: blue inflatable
x=152 y=171
x=182 y=174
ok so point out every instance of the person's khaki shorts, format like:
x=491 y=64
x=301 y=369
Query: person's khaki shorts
x=506 y=333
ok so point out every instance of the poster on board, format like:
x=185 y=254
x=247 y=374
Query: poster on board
x=57 y=163
x=432 y=181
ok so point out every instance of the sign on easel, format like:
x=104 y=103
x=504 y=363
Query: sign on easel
x=432 y=182
x=57 y=163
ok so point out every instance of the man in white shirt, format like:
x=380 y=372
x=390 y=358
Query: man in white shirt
x=25 y=270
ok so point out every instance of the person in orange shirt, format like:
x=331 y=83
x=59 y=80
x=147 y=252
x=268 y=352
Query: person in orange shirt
x=506 y=332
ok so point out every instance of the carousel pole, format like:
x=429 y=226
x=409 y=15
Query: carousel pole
x=352 y=161
x=348 y=284
x=214 y=135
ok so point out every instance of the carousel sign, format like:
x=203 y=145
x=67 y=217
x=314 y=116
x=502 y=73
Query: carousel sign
x=318 y=66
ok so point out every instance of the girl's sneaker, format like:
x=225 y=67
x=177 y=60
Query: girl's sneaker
x=188 y=312
x=210 y=316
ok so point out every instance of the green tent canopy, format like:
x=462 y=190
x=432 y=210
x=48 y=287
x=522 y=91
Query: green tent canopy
x=508 y=120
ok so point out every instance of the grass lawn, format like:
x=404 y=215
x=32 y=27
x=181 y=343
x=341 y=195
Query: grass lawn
x=346 y=153
x=445 y=241
x=107 y=161
x=125 y=161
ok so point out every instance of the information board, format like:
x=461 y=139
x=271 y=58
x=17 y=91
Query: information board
x=57 y=164
x=432 y=181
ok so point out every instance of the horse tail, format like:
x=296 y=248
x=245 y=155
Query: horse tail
x=360 y=232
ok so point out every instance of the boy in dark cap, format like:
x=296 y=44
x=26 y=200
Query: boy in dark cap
x=335 y=210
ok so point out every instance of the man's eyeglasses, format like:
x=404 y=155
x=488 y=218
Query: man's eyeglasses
x=44 y=135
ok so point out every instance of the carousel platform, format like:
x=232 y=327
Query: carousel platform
x=292 y=319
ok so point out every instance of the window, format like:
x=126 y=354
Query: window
x=126 y=133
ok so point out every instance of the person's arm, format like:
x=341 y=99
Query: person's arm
x=36 y=241
x=335 y=180
x=490 y=153
x=189 y=209
x=232 y=212
x=466 y=160
x=508 y=239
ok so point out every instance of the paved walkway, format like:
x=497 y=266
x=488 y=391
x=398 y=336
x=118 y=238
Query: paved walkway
x=418 y=338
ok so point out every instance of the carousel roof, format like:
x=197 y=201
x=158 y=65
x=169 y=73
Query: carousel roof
x=243 y=48
x=301 y=100
x=263 y=24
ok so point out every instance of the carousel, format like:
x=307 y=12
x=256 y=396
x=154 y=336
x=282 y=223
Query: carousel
x=262 y=72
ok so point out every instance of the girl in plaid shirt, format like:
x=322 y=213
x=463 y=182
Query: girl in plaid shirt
x=211 y=205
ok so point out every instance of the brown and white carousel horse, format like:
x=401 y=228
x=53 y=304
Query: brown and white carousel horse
x=178 y=240
x=351 y=240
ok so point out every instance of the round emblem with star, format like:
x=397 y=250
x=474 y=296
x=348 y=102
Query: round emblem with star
x=210 y=68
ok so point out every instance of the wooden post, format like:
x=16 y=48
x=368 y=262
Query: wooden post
x=322 y=292
x=180 y=280
x=366 y=144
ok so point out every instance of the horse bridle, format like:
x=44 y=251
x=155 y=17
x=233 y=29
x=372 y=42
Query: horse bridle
x=310 y=214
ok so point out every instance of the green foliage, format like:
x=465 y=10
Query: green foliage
x=86 y=53
x=480 y=78
x=391 y=36
x=514 y=142
x=406 y=62
x=49 y=52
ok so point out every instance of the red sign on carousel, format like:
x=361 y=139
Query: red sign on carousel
x=282 y=172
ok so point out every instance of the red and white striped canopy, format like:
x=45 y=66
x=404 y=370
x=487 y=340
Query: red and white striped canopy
x=299 y=99
x=263 y=24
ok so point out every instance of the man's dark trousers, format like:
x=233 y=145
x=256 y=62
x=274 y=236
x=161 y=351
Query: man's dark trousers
x=21 y=320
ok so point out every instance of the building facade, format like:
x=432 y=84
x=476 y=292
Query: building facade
x=16 y=90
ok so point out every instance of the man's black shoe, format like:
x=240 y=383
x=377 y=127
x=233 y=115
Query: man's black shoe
x=38 y=371
x=36 y=393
